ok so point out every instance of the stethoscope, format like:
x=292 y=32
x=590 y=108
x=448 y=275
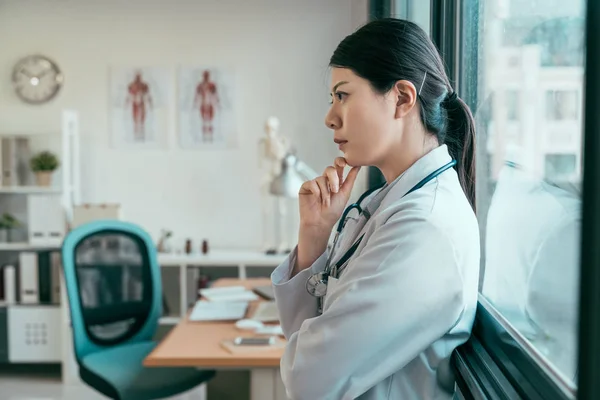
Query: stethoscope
x=316 y=285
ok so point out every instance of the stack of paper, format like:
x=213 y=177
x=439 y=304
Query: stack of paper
x=266 y=312
x=220 y=311
x=228 y=293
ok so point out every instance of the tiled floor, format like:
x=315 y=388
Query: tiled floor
x=50 y=388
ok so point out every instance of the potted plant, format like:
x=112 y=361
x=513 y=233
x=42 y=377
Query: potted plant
x=43 y=165
x=7 y=223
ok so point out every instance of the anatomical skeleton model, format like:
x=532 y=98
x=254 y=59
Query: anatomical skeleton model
x=273 y=148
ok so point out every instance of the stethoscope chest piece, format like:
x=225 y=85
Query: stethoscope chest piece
x=316 y=285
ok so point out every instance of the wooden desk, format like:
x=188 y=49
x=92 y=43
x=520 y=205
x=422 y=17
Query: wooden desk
x=198 y=344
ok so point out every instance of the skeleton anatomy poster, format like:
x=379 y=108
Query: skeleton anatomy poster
x=139 y=107
x=206 y=115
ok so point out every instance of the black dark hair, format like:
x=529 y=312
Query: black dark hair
x=387 y=50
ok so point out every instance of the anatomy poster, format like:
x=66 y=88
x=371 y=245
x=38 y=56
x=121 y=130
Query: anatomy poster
x=206 y=110
x=139 y=107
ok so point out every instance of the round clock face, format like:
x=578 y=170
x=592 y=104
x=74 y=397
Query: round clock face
x=36 y=79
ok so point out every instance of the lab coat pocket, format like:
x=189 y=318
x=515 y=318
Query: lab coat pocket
x=332 y=284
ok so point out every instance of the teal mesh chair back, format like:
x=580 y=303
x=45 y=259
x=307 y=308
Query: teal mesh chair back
x=113 y=285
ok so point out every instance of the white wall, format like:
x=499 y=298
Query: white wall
x=280 y=50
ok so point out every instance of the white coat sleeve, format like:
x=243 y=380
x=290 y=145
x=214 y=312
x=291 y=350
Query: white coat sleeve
x=294 y=303
x=399 y=295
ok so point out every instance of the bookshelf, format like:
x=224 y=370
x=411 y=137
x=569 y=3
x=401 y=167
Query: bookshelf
x=23 y=246
x=33 y=329
x=30 y=189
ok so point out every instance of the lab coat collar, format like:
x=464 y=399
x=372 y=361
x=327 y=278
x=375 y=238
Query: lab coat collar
x=424 y=166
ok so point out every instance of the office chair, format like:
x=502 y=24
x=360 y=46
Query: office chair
x=114 y=292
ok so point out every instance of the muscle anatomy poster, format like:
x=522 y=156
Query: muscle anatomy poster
x=139 y=100
x=206 y=115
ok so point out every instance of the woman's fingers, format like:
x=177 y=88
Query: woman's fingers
x=332 y=181
x=335 y=174
x=309 y=187
x=350 y=179
x=332 y=177
x=324 y=187
x=340 y=163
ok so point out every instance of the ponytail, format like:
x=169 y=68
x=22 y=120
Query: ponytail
x=460 y=139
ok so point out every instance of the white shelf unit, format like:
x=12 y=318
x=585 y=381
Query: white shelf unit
x=30 y=189
x=66 y=180
x=25 y=246
x=66 y=186
x=34 y=333
x=242 y=259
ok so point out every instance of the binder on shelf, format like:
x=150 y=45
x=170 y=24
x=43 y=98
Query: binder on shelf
x=8 y=158
x=46 y=219
x=14 y=161
x=44 y=277
x=56 y=265
x=29 y=281
x=10 y=284
x=1 y=285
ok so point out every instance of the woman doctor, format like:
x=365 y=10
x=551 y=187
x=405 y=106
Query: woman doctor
x=378 y=315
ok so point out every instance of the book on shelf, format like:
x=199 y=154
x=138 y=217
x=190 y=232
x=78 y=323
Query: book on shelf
x=15 y=154
x=47 y=220
x=1 y=285
x=56 y=266
x=36 y=281
x=10 y=284
x=28 y=277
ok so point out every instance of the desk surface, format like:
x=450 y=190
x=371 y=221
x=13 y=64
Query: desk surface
x=223 y=257
x=198 y=344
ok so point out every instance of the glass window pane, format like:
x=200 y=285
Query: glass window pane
x=529 y=118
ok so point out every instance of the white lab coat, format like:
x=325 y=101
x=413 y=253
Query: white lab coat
x=405 y=301
x=532 y=262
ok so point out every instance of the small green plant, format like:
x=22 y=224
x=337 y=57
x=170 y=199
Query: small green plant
x=8 y=221
x=44 y=161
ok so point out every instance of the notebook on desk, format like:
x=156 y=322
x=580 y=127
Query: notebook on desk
x=266 y=312
x=228 y=293
x=218 y=311
x=265 y=291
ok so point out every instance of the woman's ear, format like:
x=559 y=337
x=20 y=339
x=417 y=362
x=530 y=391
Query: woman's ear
x=406 y=96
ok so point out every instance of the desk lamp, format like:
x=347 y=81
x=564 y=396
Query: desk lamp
x=287 y=184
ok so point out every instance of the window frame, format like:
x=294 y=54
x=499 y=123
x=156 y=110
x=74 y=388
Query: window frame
x=446 y=35
x=378 y=9
x=588 y=385
x=498 y=361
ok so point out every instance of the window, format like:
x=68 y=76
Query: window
x=563 y=104
x=561 y=167
x=512 y=105
x=523 y=78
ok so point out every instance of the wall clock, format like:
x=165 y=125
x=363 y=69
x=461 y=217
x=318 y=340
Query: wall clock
x=36 y=79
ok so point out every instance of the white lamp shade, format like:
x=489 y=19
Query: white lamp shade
x=289 y=181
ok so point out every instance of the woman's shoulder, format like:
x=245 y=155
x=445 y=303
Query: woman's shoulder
x=442 y=198
x=438 y=206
